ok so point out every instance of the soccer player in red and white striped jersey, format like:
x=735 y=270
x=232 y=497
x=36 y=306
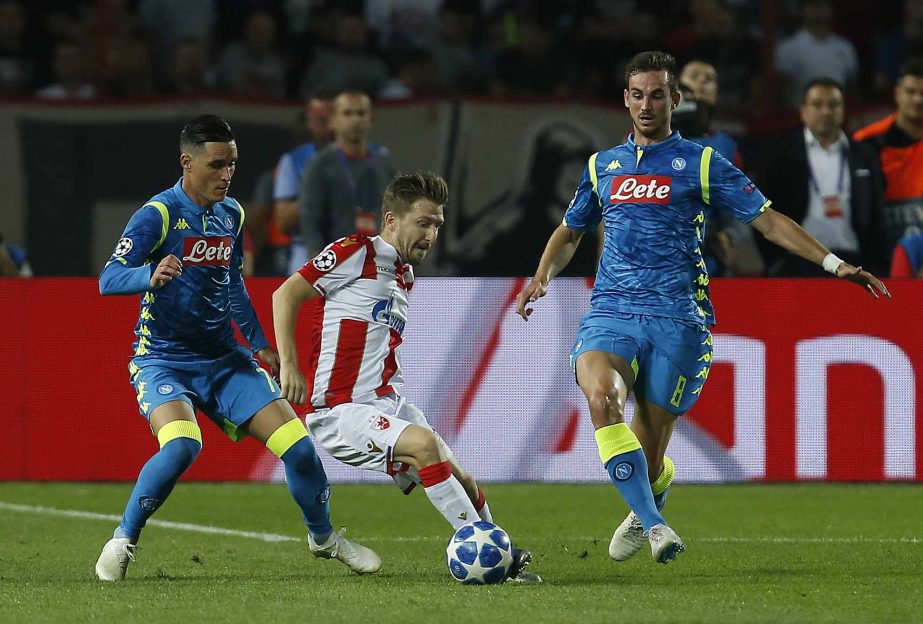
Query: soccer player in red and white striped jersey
x=357 y=291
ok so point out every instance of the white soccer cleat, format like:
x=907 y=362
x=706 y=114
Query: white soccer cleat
x=628 y=538
x=113 y=561
x=665 y=543
x=359 y=558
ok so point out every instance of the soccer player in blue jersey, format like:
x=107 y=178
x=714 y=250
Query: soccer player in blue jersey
x=647 y=328
x=182 y=253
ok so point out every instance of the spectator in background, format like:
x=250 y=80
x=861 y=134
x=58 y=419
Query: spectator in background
x=896 y=140
x=816 y=51
x=416 y=76
x=188 y=74
x=16 y=65
x=347 y=65
x=70 y=73
x=175 y=20
x=907 y=259
x=827 y=183
x=533 y=65
x=694 y=118
x=400 y=24
x=342 y=186
x=894 y=47
x=252 y=66
x=461 y=62
x=711 y=31
x=285 y=243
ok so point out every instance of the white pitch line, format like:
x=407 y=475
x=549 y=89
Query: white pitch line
x=275 y=537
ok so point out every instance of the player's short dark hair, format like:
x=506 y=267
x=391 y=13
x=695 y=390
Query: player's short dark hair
x=821 y=81
x=407 y=188
x=913 y=66
x=205 y=129
x=653 y=61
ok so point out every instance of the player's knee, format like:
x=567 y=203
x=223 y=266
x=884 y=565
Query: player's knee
x=654 y=468
x=182 y=441
x=302 y=457
x=421 y=444
x=604 y=403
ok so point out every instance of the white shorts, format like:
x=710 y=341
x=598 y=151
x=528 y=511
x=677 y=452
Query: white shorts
x=365 y=434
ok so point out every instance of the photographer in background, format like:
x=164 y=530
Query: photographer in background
x=694 y=119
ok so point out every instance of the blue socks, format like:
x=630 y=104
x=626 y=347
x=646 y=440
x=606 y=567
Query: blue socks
x=156 y=481
x=308 y=485
x=621 y=454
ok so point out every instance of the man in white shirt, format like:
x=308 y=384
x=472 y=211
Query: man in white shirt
x=826 y=183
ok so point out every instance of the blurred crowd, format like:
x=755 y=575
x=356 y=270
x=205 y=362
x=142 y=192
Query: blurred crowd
x=276 y=49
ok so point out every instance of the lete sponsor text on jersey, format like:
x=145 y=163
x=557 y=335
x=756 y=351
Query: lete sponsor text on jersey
x=641 y=189
x=207 y=250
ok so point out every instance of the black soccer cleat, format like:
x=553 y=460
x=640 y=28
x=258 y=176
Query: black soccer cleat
x=517 y=572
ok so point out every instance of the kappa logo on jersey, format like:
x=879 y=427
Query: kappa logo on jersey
x=181 y=225
x=207 y=250
x=325 y=260
x=123 y=247
x=381 y=423
x=612 y=166
x=641 y=189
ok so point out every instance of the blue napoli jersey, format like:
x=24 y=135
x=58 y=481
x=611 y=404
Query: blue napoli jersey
x=192 y=315
x=652 y=200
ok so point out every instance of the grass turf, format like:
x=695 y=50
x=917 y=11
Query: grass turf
x=756 y=553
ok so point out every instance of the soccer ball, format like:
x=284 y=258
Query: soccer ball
x=480 y=553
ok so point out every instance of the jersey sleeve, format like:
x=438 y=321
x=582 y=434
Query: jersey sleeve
x=287 y=182
x=340 y=264
x=241 y=307
x=127 y=271
x=726 y=188
x=584 y=211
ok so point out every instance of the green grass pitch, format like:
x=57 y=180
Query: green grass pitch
x=756 y=553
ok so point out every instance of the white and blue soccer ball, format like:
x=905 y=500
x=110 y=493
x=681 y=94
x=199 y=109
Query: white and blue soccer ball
x=480 y=553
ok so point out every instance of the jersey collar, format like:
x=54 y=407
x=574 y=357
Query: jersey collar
x=180 y=192
x=666 y=143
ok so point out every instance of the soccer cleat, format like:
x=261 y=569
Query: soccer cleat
x=113 y=561
x=359 y=558
x=517 y=572
x=665 y=543
x=628 y=538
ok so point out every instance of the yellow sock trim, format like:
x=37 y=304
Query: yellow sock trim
x=179 y=429
x=615 y=440
x=666 y=477
x=285 y=437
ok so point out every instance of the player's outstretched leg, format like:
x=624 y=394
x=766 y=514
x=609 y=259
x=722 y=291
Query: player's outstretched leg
x=629 y=537
x=180 y=443
x=307 y=483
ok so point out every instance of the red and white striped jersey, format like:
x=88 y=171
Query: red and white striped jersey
x=356 y=324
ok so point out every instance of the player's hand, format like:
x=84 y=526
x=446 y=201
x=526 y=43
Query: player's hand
x=293 y=384
x=270 y=358
x=166 y=270
x=530 y=294
x=865 y=279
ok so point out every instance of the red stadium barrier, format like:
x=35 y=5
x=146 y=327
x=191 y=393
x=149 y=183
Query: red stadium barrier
x=811 y=380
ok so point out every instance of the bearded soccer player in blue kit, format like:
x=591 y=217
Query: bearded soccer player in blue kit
x=182 y=252
x=647 y=328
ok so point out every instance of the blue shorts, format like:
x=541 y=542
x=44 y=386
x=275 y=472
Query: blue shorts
x=229 y=389
x=671 y=358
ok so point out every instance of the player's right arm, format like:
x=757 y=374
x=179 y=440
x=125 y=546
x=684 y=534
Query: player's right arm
x=286 y=302
x=583 y=215
x=126 y=272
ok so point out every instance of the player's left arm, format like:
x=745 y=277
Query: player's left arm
x=286 y=302
x=242 y=308
x=727 y=188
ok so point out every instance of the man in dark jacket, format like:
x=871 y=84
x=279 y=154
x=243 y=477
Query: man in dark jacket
x=827 y=183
